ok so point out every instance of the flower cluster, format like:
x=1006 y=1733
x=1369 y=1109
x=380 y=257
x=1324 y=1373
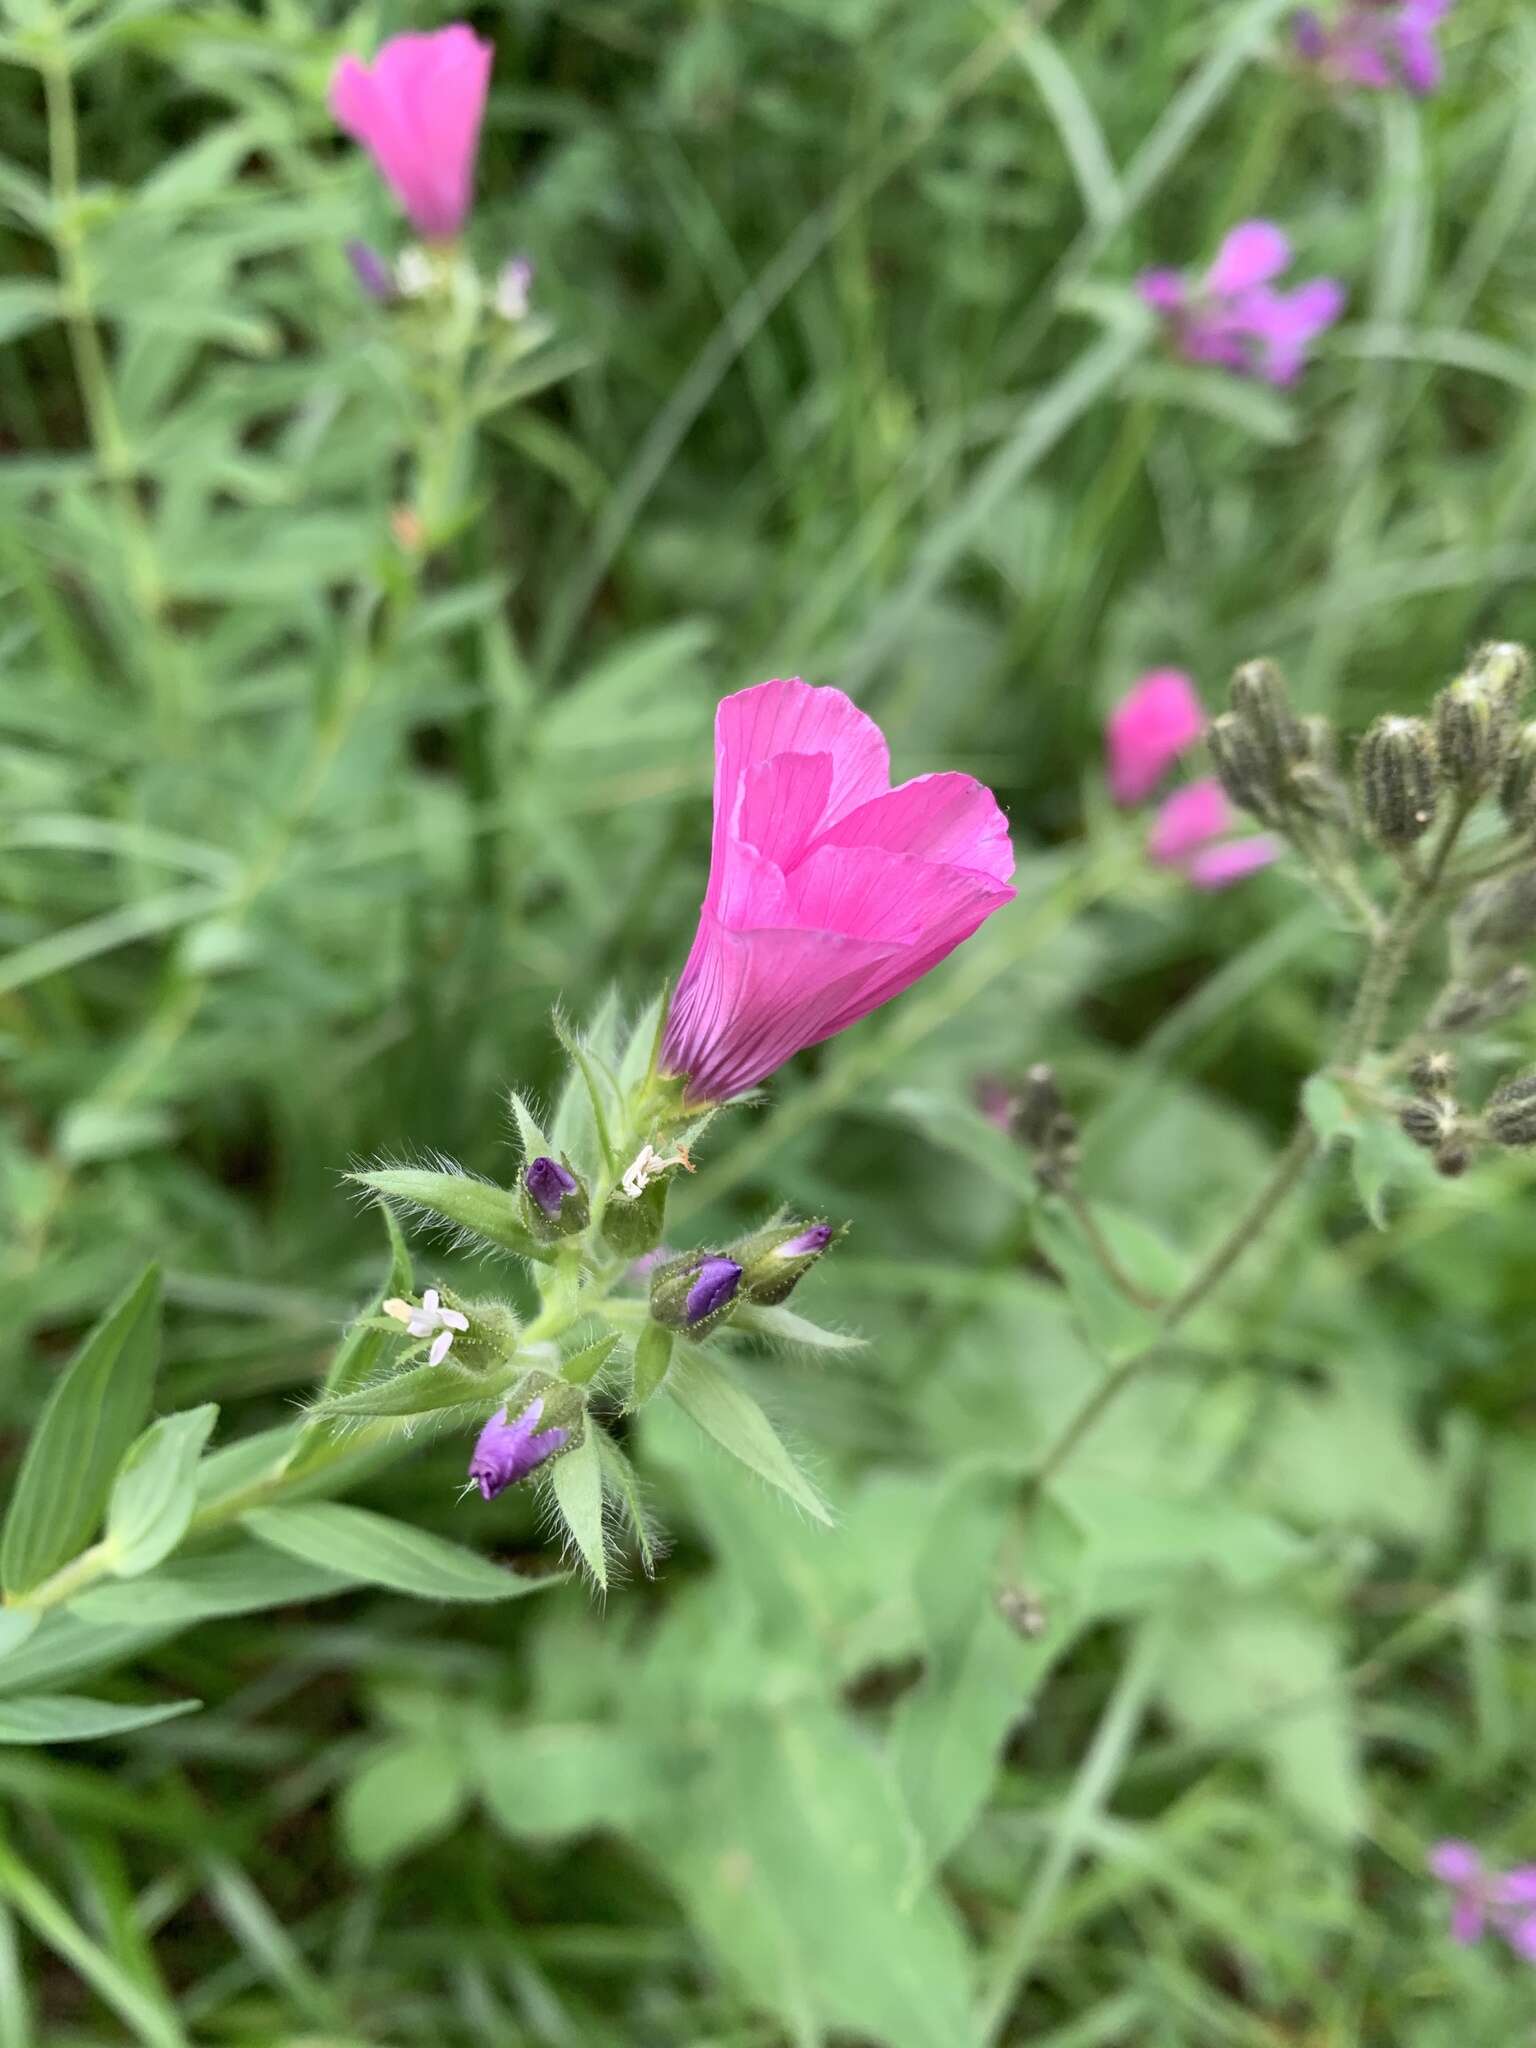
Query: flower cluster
x=1194 y=833
x=1484 y=1900
x=1235 y=316
x=1380 y=45
x=829 y=892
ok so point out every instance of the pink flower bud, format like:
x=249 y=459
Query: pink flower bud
x=417 y=111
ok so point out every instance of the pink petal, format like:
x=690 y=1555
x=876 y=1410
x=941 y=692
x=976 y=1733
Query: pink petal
x=828 y=891
x=1467 y=1920
x=1522 y=1938
x=1287 y=323
x=1163 y=290
x=788 y=716
x=1251 y=254
x=1455 y=1862
x=1187 y=820
x=1218 y=867
x=952 y=819
x=1418 y=57
x=417 y=110
x=1148 y=730
x=1517 y=1887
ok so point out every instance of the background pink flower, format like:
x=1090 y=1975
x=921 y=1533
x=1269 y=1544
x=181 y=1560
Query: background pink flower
x=1482 y=1898
x=1235 y=317
x=1377 y=44
x=417 y=111
x=1148 y=730
x=829 y=891
x=1193 y=832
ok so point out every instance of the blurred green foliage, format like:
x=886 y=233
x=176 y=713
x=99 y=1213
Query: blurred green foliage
x=302 y=837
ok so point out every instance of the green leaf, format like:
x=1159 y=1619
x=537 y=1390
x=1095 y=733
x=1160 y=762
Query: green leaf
x=1328 y=1109
x=406 y=1795
x=477 y=1206
x=653 y=1354
x=725 y=1411
x=561 y=1780
x=577 y=1480
x=16 y=1627
x=1383 y=1157
x=240 y=1577
x=92 y=1416
x=604 y=1105
x=156 y=1491
x=1114 y=1325
x=794 y=1854
x=643 y=1046
x=383 y=1552
x=620 y=1480
x=419 y=1390
x=1137 y=1537
x=979 y=1672
x=782 y=1325
x=582 y=1367
x=28 y=1718
x=530 y=1135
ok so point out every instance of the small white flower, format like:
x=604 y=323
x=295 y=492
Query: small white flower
x=648 y=1165
x=430 y=1317
x=413 y=273
x=513 y=284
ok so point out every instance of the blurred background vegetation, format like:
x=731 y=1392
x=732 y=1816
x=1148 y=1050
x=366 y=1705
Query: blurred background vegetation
x=303 y=834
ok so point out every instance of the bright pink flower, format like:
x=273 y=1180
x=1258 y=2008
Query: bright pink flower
x=417 y=111
x=829 y=891
x=1484 y=1898
x=1377 y=44
x=1192 y=833
x=1148 y=730
x=1235 y=317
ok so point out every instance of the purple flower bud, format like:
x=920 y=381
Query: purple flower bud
x=714 y=1286
x=548 y=1183
x=371 y=272
x=1310 y=36
x=508 y=1451
x=815 y=1239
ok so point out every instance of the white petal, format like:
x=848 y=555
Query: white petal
x=453 y=1320
x=429 y=1301
x=400 y=1310
x=421 y=1325
x=439 y=1350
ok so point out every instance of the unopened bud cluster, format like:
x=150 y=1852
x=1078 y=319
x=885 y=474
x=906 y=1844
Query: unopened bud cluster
x=1043 y=1123
x=1281 y=768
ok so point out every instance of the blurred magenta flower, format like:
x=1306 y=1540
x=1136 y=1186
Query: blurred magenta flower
x=1234 y=317
x=1148 y=730
x=417 y=111
x=508 y=1451
x=829 y=891
x=1194 y=832
x=1378 y=44
x=1484 y=1898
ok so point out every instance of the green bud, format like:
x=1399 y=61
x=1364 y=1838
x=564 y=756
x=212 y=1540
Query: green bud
x=1434 y=1073
x=492 y=1335
x=1241 y=768
x=1504 y=666
x=1453 y=1160
x=1399 y=780
x=1517 y=788
x=1040 y=1107
x=1429 y=1120
x=775 y=1259
x=635 y=1224
x=1509 y=1116
x=1320 y=742
x=1318 y=795
x=1462 y=1008
x=1473 y=728
x=1262 y=705
x=565 y=1406
x=1503 y=913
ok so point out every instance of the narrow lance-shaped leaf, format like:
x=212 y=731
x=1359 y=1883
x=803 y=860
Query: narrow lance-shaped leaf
x=577 y=1481
x=383 y=1552
x=477 y=1206
x=724 y=1410
x=92 y=1416
x=36 y=1717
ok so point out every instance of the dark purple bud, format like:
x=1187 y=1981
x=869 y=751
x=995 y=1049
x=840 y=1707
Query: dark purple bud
x=548 y=1183
x=371 y=272
x=1309 y=36
x=714 y=1286
x=508 y=1451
